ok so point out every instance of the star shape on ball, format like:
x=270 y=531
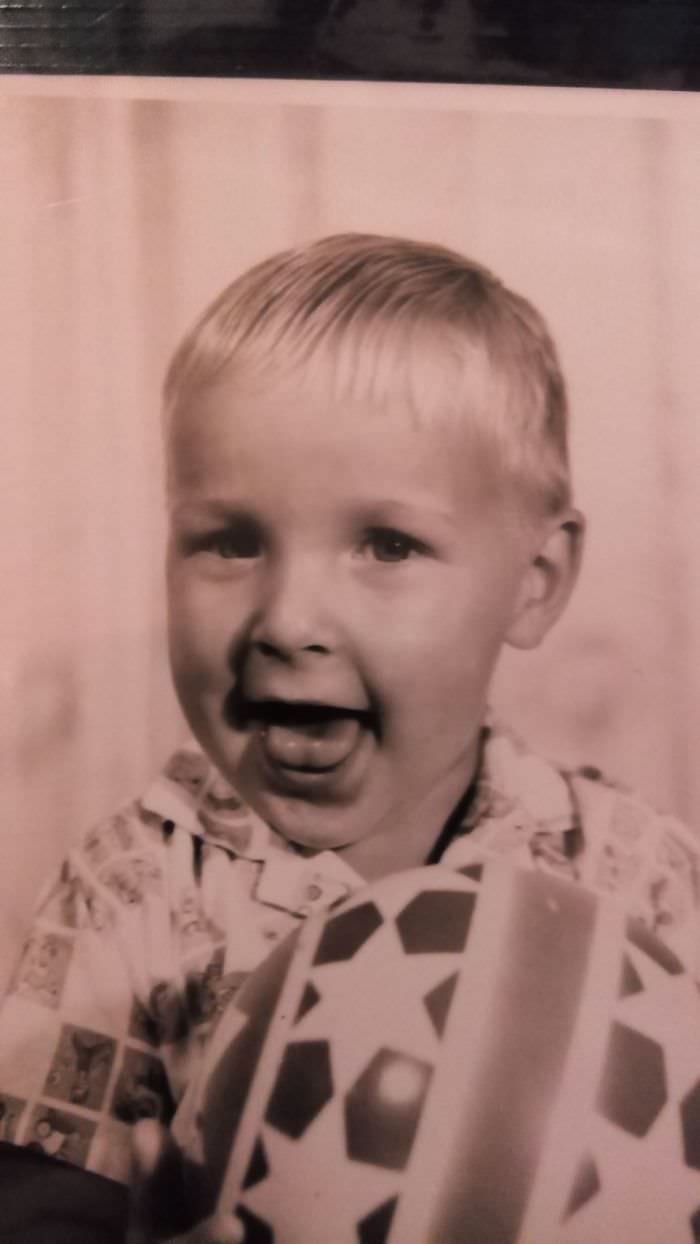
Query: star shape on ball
x=312 y=1191
x=373 y=1001
x=646 y=1192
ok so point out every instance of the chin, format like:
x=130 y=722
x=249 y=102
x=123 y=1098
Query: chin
x=297 y=830
x=303 y=825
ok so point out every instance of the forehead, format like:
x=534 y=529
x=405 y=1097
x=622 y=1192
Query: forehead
x=311 y=412
x=431 y=377
x=297 y=453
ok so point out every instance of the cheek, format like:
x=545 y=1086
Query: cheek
x=200 y=680
x=199 y=632
x=450 y=623
x=450 y=643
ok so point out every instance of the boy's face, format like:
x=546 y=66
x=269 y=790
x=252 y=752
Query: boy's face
x=341 y=581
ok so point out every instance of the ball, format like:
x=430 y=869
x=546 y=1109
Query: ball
x=496 y=1056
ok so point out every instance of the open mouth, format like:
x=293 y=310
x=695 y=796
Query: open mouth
x=304 y=737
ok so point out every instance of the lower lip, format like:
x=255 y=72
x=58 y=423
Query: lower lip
x=288 y=779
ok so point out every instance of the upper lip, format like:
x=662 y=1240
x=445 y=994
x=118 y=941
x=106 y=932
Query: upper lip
x=343 y=694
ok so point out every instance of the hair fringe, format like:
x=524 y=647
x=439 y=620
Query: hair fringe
x=378 y=308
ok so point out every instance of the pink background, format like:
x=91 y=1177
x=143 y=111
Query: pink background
x=121 y=216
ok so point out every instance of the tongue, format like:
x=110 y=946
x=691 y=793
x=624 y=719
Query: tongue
x=311 y=745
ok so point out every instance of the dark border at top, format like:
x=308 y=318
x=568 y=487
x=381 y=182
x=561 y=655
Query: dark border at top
x=647 y=44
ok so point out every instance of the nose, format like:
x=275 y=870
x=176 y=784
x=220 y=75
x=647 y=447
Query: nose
x=294 y=613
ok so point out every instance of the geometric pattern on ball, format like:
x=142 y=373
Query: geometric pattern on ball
x=642 y=937
x=633 y=1084
x=346 y=933
x=586 y=1184
x=303 y=1086
x=371 y=1116
x=383 y=1107
x=374 y=1015
x=259 y=1167
x=374 y=1228
x=648 y=1107
x=304 y=1202
x=690 y=1121
x=225 y=1090
x=436 y=921
x=256 y=1231
x=630 y=980
x=309 y=999
x=438 y=1001
x=474 y=871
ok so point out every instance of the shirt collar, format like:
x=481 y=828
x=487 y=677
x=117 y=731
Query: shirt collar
x=522 y=806
x=190 y=793
x=516 y=796
x=513 y=782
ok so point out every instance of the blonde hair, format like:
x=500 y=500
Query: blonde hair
x=387 y=312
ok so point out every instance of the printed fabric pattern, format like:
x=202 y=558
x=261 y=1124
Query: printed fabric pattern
x=158 y=915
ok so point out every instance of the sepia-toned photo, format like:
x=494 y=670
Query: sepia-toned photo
x=351 y=871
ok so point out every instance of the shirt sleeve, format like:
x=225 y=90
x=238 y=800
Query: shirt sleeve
x=79 y=1051
x=652 y=861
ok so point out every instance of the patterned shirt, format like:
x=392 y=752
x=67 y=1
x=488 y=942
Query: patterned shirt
x=161 y=911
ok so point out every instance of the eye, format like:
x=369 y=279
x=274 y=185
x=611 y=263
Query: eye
x=386 y=544
x=240 y=540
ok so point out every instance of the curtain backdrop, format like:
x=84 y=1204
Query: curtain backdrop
x=122 y=216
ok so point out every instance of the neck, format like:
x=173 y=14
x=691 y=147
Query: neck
x=411 y=836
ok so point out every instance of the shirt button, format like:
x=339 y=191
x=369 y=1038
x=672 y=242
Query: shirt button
x=313 y=892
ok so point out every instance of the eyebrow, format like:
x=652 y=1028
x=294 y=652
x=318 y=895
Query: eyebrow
x=382 y=511
x=405 y=511
x=211 y=509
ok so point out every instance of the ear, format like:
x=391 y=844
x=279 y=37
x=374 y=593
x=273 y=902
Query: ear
x=548 y=580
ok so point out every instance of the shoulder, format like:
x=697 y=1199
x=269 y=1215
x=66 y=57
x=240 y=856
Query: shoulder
x=180 y=858
x=581 y=823
x=121 y=860
x=634 y=848
x=187 y=796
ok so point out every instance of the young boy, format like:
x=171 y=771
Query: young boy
x=369 y=496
